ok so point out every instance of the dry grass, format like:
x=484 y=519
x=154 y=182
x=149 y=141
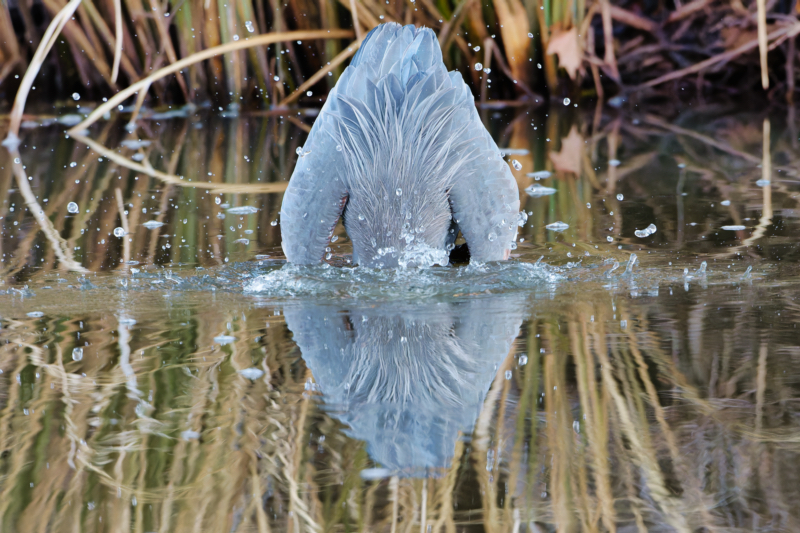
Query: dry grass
x=245 y=47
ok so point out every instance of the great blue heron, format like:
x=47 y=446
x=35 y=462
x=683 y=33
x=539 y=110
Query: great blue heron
x=407 y=377
x=399 y=150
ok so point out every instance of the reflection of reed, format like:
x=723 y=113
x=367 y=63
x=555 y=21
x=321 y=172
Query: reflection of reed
x=179 y=181
x=237 y=173
x=56 y=241
x=766 y=177
x=242 y=162
x=600 y=429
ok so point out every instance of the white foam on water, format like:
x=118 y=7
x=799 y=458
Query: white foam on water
x=401 y=283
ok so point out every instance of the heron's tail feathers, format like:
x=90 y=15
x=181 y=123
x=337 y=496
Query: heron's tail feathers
x=403 y=50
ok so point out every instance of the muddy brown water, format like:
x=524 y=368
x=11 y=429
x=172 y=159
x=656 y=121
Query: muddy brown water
x=175 y=375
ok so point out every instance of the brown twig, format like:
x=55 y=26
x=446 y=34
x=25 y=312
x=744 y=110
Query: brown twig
x=261 y=40
x=48 y=40
x=172 y=179
x=789 y=31
x=338 y=60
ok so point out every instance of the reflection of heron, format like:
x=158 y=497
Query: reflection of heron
x=407 y=379
x=399 y=150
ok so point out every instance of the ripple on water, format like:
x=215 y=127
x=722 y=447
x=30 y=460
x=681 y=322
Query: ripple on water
x=325 y=280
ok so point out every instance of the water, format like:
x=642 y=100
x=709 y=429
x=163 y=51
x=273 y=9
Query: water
x=182 y=377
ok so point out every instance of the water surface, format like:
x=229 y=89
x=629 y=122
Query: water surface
x=175 y=375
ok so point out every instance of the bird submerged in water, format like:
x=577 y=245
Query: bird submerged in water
x=400 y=152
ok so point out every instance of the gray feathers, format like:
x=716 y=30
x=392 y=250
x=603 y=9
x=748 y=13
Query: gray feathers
x=407 y=378
x=400 y=140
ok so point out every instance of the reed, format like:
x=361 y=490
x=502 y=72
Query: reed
x=248 y=57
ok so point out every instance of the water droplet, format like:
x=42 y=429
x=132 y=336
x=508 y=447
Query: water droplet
x=235 y=37
x=152 y=224
x=610 y=238
x=276 y=78
x=73 y=164
x=631 y=262
x=614 y=163
x=76 y=96
x=299 y=151
x=190 y=435
x=523 y=360
x=399 y=192
x=557 y=226
x=536 y=190
x=509 y=374
x=492 y=236
x=77 y=354
x=649 y=230
x=588 y=205
x=487 y=70
x=478 y=66
x=726 y=203
x=735 y=227
x=338 y=147
x=224 y=339
x=72 y=207
x=249 y=25
x=274 y=222
x=476 y=49
x=620 y=197
x=334 y=238
x=119 y=232
x=530 y=36
x=539 y=174
x=309 y=93
x=361 y=217
x=522 y=218
x=328 y=255
x=243 y=210
x=566 y=101
x=516 y=164
x=217 y=200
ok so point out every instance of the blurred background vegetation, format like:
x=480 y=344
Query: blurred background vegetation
x=528 y=49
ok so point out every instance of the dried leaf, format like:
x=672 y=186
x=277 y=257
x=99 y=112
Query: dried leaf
x=514 y=28
x=567 y=47
x=570 y=157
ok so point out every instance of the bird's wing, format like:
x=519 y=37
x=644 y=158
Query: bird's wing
x=317 y=191
x=483 y=194
x=316 y=195
x=484 y=197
